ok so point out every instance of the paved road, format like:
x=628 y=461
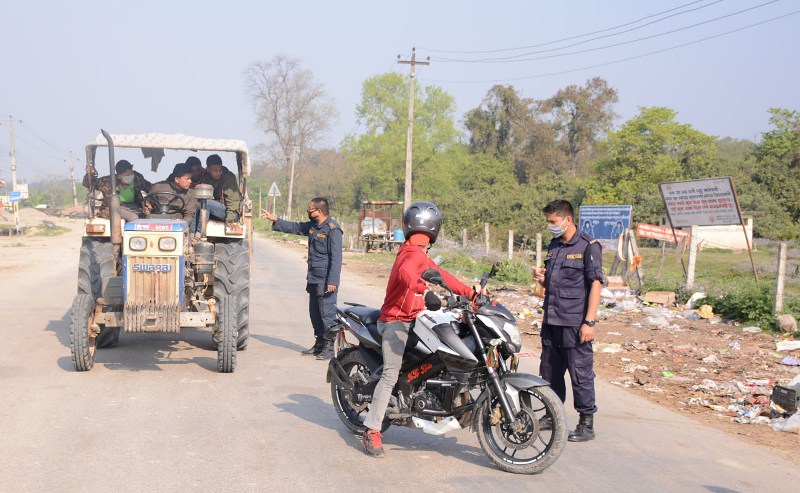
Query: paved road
x=154 y=415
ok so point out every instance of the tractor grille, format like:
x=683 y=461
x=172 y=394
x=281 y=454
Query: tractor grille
x=152 y=302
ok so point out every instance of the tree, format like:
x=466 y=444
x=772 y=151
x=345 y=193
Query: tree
x=581 y=116
x=377 y=154
x=292 y=109
x=649 y=149
x=512 y=128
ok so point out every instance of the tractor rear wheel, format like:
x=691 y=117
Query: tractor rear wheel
x=95 y=264
x=232 y=278
x=226 y=328
x=82 y=342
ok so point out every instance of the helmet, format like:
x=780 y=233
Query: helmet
x=422 y=217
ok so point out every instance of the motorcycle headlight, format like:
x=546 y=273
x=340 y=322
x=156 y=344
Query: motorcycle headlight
x=137 y=244
x=513 y=335
x=167 y=244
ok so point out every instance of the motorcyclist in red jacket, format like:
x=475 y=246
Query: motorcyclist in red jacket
x=405 y=298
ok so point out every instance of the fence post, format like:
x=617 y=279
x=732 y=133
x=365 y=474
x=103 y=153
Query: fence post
x=538 y=249
x=778 y=308
x=510 y=244
x=464 y=238
x=486 y=236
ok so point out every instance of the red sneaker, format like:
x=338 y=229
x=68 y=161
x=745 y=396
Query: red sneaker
x=372 y=443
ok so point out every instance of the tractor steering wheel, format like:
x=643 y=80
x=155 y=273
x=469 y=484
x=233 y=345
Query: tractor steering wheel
x=165 y=203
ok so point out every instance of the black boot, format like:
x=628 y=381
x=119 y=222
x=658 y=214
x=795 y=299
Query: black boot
x=585 y=429
x=327 y=350
x=315 y=349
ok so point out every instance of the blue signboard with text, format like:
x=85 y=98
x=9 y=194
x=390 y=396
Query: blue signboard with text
x=14 y=196
x=604 y=222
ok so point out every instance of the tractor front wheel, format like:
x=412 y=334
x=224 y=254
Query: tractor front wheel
x=83 y=332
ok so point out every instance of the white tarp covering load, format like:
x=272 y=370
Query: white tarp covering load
x=153 y=144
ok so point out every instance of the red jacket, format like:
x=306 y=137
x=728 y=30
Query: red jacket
x=405 y=291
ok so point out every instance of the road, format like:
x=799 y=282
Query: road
x=154 y=415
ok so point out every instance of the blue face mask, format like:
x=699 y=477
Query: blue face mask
x=556 y=230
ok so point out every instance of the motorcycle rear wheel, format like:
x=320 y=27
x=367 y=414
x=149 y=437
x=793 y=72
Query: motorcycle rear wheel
x=353 y=413
x=529 y=449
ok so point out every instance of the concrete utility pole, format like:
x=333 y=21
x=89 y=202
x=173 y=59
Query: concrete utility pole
x=72 y=177
x=291 y=183
x=14 y=205
x=410 y=134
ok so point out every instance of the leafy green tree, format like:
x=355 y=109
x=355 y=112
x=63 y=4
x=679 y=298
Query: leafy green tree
x=377 y=155
x=649 y=149
x=582 y=115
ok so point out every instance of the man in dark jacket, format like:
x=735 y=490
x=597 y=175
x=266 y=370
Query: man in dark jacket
x=176 y=185
x=324 y=269
x=130 y=186
x=227 y=196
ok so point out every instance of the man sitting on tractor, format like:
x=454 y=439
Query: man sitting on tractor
x=130 y=186
x=173 y=197
x=227 y=197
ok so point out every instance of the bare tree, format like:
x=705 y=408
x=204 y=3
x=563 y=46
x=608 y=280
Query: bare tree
x=292 y=110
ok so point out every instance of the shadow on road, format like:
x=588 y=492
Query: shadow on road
x=143 y=352
x=275 y=341
x=310 y=408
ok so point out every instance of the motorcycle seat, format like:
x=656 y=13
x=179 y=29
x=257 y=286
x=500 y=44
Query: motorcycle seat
x=364 y=314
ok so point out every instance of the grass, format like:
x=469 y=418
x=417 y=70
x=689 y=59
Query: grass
x=54 y=231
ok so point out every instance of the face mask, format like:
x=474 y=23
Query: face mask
x=556 y=230
x=128 y=179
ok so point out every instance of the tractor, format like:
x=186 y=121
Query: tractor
x=159 y=274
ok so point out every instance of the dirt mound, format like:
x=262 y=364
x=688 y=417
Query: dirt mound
x=31 y=216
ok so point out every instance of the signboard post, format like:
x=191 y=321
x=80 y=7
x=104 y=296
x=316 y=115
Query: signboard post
x=706 y=202
x=274 y=192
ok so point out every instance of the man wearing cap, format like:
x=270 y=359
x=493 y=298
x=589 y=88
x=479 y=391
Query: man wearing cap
x=227 y=196
x=130 y=186
x=177 y=184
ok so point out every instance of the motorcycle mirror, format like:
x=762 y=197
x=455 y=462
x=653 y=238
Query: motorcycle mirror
x=434 y=276
x=432 y=302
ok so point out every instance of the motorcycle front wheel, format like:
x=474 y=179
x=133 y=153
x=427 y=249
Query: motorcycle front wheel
x=527 y=447
x=350 y=406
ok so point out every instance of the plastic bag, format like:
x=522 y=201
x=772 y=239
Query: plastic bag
x=790 y=424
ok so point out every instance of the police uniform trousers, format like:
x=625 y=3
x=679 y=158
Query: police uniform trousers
x=562 y=351
x=322 y=309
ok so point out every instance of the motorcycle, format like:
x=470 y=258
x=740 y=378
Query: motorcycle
x=459 y=370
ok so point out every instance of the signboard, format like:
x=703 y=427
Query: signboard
x=14 y=196
x=659 y=232
x=273 y=191
x=604 y=222
x=709 y=202
x=22 y=188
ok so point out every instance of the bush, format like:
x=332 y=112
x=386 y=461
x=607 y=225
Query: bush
x=745 y=302
x=514 y=271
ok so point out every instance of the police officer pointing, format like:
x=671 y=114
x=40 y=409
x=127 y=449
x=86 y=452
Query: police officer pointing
x=324 y=269
x=572 y=278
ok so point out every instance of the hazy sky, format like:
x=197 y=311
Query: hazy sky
x=69 y=68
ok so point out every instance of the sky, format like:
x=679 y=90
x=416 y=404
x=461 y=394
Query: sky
x=68 y=69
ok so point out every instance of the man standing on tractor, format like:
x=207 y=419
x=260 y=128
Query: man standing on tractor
x=130 y=186
x=324 y=270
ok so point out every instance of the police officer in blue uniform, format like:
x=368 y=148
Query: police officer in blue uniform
x=324 y=270
x=572 y=278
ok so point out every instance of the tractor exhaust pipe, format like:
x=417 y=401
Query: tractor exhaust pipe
x=113 y=201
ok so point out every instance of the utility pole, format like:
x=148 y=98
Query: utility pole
x=410 y=134
x=72 y=176
x=291 y=182
x=14 y=205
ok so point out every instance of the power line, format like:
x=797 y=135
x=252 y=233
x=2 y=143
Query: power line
x=563 y=39
x=34 y=148
x=551 y=74
x=621 y=43
x=29 y=129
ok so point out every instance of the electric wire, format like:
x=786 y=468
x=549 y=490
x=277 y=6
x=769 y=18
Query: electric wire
x=613 y=45
x=478 y=52
x=613 y=62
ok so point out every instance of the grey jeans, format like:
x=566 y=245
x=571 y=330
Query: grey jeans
x=394 y=336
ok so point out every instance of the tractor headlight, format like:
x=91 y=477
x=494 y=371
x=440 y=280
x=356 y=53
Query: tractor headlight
x=137 y=243
x=167 y=244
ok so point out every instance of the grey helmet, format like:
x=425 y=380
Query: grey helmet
x=422 y=217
